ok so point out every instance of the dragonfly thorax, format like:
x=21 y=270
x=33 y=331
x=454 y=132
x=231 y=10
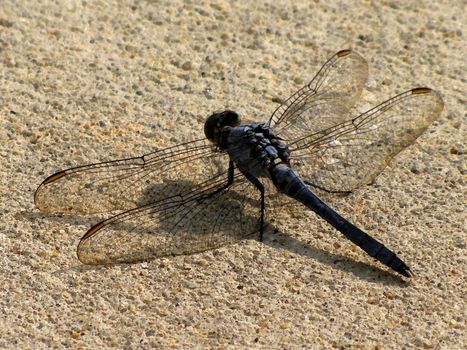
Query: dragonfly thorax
x=254 y=148
x=218 y=121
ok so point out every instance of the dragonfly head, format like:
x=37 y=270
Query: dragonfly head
x=217 y=121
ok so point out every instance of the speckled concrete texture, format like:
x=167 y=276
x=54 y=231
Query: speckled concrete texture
x=86 y=81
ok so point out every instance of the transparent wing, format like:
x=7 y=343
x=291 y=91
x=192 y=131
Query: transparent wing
x=325 y=100
x=352 y=153
x=203 y=218
x=127 y=183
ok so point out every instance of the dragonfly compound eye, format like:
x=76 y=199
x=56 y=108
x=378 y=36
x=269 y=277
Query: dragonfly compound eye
x=215 y=122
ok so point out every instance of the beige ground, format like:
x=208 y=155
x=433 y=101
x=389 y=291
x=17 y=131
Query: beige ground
x=83 y=81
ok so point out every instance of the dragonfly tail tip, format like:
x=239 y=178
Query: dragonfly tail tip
x=405 y=271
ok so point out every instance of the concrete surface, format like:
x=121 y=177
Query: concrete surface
x=87 y=81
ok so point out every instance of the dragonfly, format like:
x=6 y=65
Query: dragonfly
x=212 y=191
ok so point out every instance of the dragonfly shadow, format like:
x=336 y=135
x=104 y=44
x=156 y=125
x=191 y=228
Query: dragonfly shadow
x=175 y=218
x=58 y=217
x=161 y=191
x=171 y=218
x=226 y=210
x=359 y=269
x=157 y=192
x=240 y=226
x=82 y=268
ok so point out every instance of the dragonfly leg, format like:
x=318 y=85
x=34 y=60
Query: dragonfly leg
x=259 y=186
x=230 y=180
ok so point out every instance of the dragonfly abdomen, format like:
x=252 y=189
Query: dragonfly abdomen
x=286 y=180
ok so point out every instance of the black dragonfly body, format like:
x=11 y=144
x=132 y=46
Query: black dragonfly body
x=203 y=194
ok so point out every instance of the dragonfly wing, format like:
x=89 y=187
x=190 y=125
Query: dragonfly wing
x=191 y=222
x=351 y=154
x=325 y=100
x=127 y=183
